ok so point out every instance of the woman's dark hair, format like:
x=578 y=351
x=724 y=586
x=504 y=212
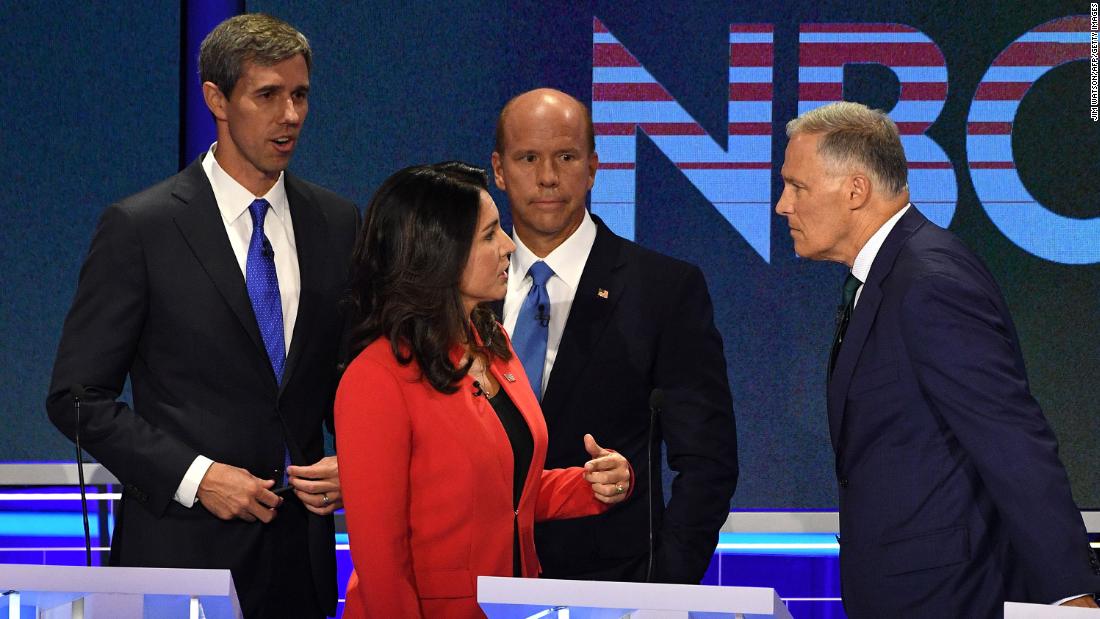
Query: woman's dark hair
x=406 y=269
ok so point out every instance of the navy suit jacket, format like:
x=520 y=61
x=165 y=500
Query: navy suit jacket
x=952 y=496
x=639 y=321
x=162 y=300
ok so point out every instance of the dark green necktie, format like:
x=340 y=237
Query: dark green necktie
x=843 y=315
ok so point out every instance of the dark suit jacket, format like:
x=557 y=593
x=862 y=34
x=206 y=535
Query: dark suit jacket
x=161 y=298
x=952 y=496
x=652 y=327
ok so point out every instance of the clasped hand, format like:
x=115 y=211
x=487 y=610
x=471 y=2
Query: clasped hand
x=607 y=471
x=231 y=492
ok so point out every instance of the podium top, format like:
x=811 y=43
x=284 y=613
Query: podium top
x=140 y=580
x=544 y=592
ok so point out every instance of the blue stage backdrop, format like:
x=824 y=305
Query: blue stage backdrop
x=689 y=101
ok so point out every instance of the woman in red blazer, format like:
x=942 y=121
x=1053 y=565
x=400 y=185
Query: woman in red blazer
x=441 y=439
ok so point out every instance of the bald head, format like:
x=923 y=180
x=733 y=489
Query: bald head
x=545 y=161
x=536 y=104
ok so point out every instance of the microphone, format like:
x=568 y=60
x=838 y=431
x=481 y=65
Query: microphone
x=79 y=393
x=478 y=391
x=266 y=250
x=543 y=315
x=656 y=403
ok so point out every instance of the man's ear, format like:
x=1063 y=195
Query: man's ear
x=215 y=100
x=593 y=165
x=498 y=172
x=858 y=190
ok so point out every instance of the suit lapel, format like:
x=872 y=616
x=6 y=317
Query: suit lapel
x=859 y=327
x=201 y=224
x=601 y=287
x=309 y=240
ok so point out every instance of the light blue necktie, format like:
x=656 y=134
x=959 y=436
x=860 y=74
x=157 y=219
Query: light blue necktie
x=532 y=326
x=263 y=290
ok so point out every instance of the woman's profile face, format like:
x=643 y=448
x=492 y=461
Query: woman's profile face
x=485 y=277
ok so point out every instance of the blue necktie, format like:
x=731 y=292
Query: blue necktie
x=267 y=304
x=263 y=289
x=532 y=326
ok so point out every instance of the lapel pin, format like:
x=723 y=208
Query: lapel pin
x=601 y=293
x=509 y=377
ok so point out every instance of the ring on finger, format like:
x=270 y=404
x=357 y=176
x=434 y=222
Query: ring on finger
x=619 y=489
x=324 y=499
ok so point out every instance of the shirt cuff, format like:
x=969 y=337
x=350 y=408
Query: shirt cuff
x=1072 y=597
x=189 y=487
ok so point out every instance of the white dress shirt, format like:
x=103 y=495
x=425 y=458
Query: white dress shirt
x=567 y=261
x=233 y=201
x=861 y=268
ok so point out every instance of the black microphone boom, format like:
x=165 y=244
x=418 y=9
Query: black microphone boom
x=79 y=393
x=656 y=403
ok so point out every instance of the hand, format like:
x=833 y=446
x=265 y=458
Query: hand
x=1085 y=601
x=607 y=471
x=317 y=485
x=229 y=492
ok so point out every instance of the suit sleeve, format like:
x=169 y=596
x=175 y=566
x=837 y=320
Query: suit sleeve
x=698 y=428
x=99 y=344
x=964 y=350
x=374 y=440
x=346 y=315
x=563 y=493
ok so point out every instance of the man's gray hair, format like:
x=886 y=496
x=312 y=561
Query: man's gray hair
x=253 y=37
x=855 y=136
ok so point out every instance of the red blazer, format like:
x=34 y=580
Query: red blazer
x=427 y=485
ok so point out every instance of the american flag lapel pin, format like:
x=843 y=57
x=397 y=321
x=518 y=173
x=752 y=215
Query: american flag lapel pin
x=601 y=293
x=509 y=377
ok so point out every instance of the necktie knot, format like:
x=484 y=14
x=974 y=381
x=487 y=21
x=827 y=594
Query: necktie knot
x=258 y=210
x=540 y=273
x=851 y=285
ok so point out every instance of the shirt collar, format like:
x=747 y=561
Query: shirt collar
x=567 y=260
x=232 y=198
x=861 y=268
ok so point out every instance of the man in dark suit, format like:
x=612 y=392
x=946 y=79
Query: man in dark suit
x=952 y=496
x=599 y=324
x=216 y=291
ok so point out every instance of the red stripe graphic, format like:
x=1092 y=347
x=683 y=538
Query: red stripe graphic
x=751 y=28
x=929 y=165
x=750 y=128
x=1071 y=23
x=820 y=91
x=597 y=25
x=856 y=28
x=988 y=128
x=612 y=55
x=1041 y=54
x=923 y=91
x=912 y=128
x=742 y=91
x=629 y=92
x=679 y=128
x=910 y=91
x=616 y=166
x=725 y=165
x=649 y=91
x=992 y=165
x=1002 y=91
x=893 y=54
x=750 y=54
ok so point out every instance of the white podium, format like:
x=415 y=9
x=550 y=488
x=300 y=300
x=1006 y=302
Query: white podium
x=1019 y=610
x=531 y=598
x=67 y=592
